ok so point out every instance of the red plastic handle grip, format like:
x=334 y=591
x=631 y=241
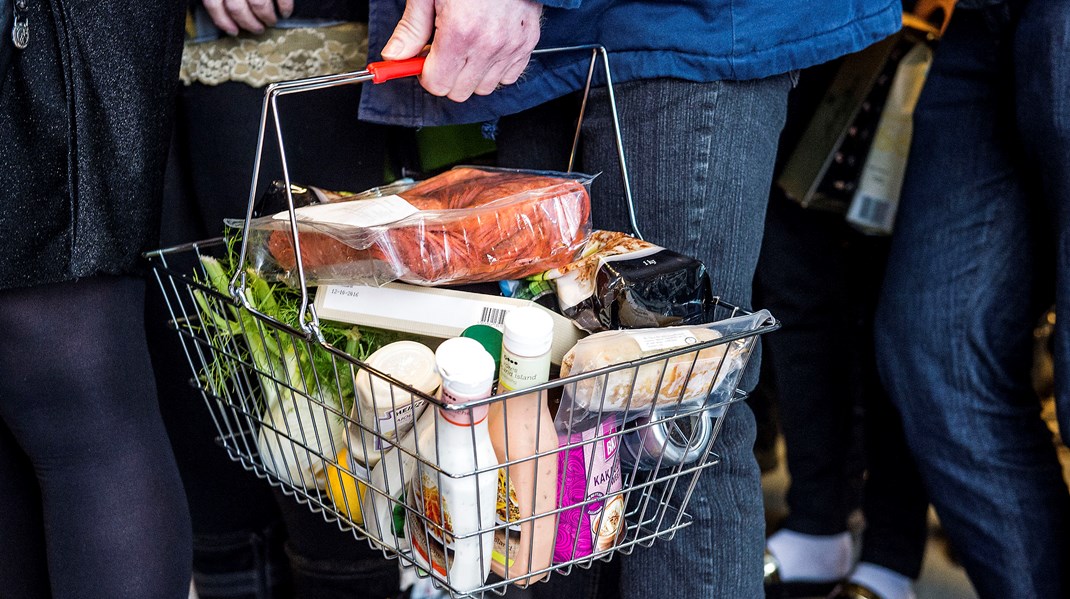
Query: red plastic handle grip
x=395 y=69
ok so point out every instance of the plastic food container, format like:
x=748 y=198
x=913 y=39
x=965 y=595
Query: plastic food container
x=385 y=408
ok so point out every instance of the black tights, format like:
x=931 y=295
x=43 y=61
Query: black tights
x=91 y=504
x=238 y=528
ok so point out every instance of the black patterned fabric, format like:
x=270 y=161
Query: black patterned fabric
x=84 y=120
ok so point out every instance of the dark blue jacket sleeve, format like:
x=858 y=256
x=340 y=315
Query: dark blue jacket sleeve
x=561 y=3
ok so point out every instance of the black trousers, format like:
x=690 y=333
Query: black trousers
x=92 y=504
x=821 y=279
x=239 y=525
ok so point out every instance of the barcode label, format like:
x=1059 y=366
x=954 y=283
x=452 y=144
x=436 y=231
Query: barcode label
x=872 y=210
x=492 y=316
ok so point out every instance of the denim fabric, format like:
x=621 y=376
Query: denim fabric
x=987 y=189
x=244 y=564
x=701 y=157
x=696 y=40
x=329 y=563
x=821 y=278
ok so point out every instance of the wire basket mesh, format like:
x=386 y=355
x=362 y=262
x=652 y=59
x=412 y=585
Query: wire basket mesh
x=285 y=398
x=283 y=405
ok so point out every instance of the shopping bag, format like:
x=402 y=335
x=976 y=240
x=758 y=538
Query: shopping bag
x=874 y=204
x=860 y=132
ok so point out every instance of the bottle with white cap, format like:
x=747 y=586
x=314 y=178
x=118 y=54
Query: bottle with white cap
x=456 y=502
x=529 y=487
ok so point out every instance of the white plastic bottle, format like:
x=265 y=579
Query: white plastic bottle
x=530 y=486
x=463 y=505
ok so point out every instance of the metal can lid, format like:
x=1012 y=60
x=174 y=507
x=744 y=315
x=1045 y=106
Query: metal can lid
x=666 y=440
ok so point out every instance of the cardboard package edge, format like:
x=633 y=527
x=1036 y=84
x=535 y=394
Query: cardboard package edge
x=566 y=334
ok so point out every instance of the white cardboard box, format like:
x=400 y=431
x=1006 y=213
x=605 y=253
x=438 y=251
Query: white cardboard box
x=430 y=311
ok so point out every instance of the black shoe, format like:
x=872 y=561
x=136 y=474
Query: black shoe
x=775 y=588
x=853 y=590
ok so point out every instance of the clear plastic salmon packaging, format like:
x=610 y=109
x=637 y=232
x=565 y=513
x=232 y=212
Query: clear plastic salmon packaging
x=467 y=225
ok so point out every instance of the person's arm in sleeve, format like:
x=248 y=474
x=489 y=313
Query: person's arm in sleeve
x=478 y=44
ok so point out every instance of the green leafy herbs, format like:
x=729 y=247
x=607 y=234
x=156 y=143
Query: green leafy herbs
x=284 y=362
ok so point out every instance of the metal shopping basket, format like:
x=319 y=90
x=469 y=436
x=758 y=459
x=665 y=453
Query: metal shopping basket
x=275 y=389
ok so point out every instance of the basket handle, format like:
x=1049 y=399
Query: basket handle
x=597 y=52
x=387 y=70
x=379 y=72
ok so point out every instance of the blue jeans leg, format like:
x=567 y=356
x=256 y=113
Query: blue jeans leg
x=955 y=320
x=701 y=158
x=1041 y=46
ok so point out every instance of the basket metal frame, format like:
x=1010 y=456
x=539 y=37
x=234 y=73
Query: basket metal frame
x=308 y=318
x=655 y=500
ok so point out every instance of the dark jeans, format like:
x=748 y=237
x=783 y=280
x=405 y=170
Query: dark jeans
x=239 y=524
x=821 y=278
x=701 y=157
x=987 y=190
x=92 y=501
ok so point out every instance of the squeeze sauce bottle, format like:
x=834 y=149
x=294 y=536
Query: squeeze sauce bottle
x=455 y=501
x=528 y=487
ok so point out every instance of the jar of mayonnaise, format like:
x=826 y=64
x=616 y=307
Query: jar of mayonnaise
x=386 y=408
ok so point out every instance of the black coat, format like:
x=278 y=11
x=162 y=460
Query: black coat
x=84 y=122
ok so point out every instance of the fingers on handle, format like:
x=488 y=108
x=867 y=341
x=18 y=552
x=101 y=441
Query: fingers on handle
x=442 y=69
x=491 y=78
x=492 y=62
x=476 y=47
x=512 y=74
x=412 y=32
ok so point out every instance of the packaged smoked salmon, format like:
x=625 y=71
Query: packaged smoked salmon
x=467 y=225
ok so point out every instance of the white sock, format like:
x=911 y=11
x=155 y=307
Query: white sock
x=811 y=557
x=889 y=584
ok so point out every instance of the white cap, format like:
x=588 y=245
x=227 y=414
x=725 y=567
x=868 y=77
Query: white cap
x=466 y=367
x=529 y=331
x=407 y=361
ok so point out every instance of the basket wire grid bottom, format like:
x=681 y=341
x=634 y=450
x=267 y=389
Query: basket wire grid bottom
x=665 y=513
x=639 y=535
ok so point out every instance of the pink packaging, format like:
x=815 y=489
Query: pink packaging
x=584 y=530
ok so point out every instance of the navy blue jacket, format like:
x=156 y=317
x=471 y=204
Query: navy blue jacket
x=696 y=40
